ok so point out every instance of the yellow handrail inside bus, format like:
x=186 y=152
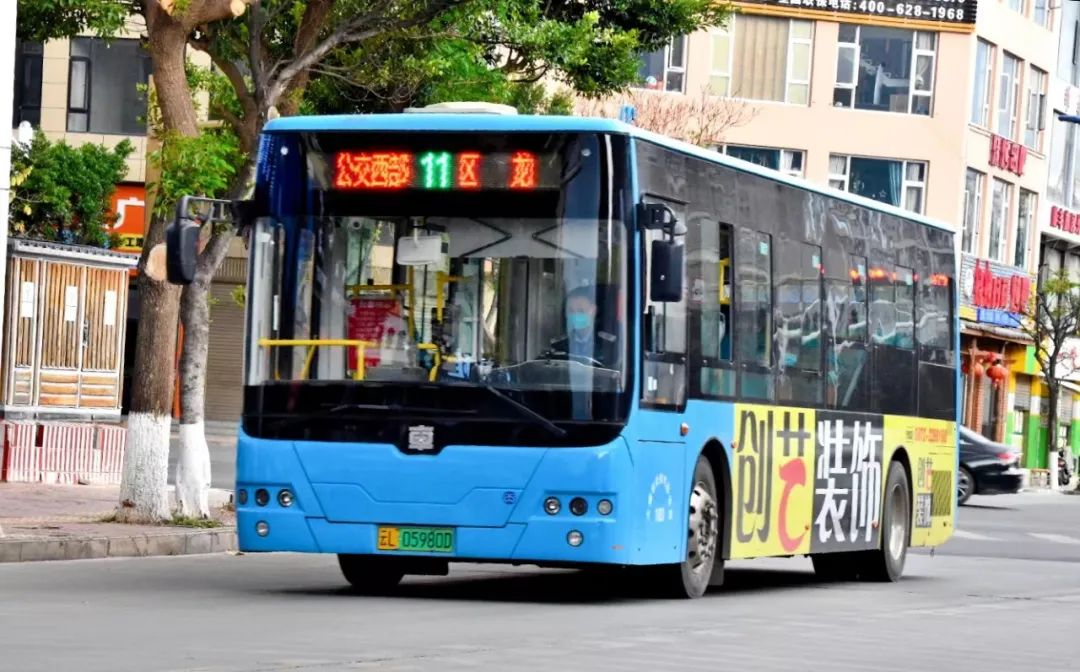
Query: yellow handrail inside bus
x=312 y=343
x=725 y=266
x=434 y=349
x=442 y=279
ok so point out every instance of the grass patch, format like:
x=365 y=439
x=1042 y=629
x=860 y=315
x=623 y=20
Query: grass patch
x=187 y=521
x=109 y=518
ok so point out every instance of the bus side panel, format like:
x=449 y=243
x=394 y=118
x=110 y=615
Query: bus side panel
x=664 y=462
x=931 y=449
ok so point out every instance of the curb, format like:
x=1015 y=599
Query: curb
x=187 y=542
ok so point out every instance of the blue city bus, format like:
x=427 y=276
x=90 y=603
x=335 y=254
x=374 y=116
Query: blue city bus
x=570 y=342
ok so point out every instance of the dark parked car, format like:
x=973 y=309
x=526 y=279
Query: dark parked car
x=986 y=467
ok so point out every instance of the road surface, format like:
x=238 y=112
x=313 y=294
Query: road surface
x=966 y=607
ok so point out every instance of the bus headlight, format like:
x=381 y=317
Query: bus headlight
x=552 y=505
x=604 y=507
x=578 y=506
x=575 y=538
x=262 y=528
x=285 y=498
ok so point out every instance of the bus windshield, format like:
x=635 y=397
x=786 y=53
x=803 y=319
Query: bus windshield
x=529 y=301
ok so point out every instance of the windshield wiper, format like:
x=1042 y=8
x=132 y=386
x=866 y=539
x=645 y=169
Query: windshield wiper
x=528 y=412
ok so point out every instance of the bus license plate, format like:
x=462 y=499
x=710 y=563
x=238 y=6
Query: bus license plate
x=416 y=539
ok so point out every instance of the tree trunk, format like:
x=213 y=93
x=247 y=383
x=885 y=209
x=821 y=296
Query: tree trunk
x=193 y=474
x=143 y=488
x=1051 y=441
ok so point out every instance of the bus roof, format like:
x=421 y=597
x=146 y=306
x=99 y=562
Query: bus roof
x=498 y=123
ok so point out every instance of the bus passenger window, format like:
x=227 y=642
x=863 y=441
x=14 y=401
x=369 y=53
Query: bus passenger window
x=905 y=308
x=847 y=360
x=709 y=273
x=753 y=313
x=798 y=329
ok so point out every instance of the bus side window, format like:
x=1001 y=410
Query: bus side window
x=664 y=365
x=798 y=332
x=753 y=314
x=847 y=360
x=890 y=326
x=709 y=274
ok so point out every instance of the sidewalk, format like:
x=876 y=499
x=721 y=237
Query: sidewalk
x=56 y=522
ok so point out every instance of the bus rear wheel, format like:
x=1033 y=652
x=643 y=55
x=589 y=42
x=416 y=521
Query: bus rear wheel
x=369 y=574
x=692 y=577
x=886 y=563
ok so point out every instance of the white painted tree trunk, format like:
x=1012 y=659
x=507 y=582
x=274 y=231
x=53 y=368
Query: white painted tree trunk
x=193 y=472
x=144 y=488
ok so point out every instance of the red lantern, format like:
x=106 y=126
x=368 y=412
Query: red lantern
x=997 y=373
x=978 y=370
x=965 y=368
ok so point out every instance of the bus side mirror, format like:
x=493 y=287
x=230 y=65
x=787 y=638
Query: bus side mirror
x=182 y=234
x=666 y=272
x=181 y=250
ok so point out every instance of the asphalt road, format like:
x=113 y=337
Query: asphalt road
x=966 y=607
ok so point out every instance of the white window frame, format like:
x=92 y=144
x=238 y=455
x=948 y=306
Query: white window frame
x=988 y=84
x=1029 y=223
x=1012 y=90
x=842 y=181
x=1046 y=21
x=907 y=184
x=856 y=48
x=786 y=157
x=915 y=53
x=1036 y=106
x=1017 y=6
x=976 y=231
x=789 y=77
x=669 y=67
x=729 y=35
x=1005 y=217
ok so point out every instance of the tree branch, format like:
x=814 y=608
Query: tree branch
x=351 y=32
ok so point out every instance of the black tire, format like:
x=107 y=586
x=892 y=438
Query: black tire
x=886 y=563
x=370 y=575
x=691 y=578
x=965 y=486
x=835 y=566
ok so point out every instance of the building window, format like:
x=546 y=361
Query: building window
x=787 y=161
x=26 y=105
x=980 y=99
x=885 y=69
x=1040 y=14
x=898 y=183
x=1063 y=182
x=1008 y=96
x=1036 y=111
x=973 y=190
x=1000 y=201
x=665 y=68
x=1025 y=218
x=103 y=86
x=1016 y=5
x=763 y=58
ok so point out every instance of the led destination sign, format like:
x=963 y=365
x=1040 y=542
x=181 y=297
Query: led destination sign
x=437 y=170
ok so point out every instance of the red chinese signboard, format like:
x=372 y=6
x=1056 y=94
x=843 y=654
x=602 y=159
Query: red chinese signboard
x=1062 y=219
x=999 y=292
x=1007 y=155
x=128 y=203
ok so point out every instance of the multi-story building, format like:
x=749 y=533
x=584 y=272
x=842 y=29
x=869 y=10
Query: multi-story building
x=936 y=106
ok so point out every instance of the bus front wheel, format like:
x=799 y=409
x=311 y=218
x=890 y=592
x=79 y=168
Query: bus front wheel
x=692 y=577
x=370 y=575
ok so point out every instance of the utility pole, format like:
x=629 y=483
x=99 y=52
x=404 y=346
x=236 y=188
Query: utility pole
x=8 y=10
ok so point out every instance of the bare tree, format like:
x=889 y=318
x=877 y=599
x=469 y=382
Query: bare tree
x=700 y=120
x=1053 y=320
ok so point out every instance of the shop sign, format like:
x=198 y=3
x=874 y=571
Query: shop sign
x=942 y=15
x=994 y=293
x=1064 y=220
x=1007 y=155
x=128 y=204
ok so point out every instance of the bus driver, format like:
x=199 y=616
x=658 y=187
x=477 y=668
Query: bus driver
x=583 y=342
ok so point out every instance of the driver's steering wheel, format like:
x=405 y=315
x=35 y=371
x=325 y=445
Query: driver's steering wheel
x=582 y=359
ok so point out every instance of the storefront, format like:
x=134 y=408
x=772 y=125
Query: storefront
x=997 y=382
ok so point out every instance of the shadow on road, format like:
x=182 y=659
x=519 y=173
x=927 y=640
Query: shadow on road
x=571 y=587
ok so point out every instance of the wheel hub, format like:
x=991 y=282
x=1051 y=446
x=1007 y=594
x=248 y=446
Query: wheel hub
x=704 y=528
x=898 y=525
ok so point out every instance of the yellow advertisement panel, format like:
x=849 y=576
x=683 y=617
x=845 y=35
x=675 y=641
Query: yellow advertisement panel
x=772 y=480
x=931 y=449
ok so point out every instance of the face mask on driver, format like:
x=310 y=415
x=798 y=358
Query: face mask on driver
x=579 y=321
